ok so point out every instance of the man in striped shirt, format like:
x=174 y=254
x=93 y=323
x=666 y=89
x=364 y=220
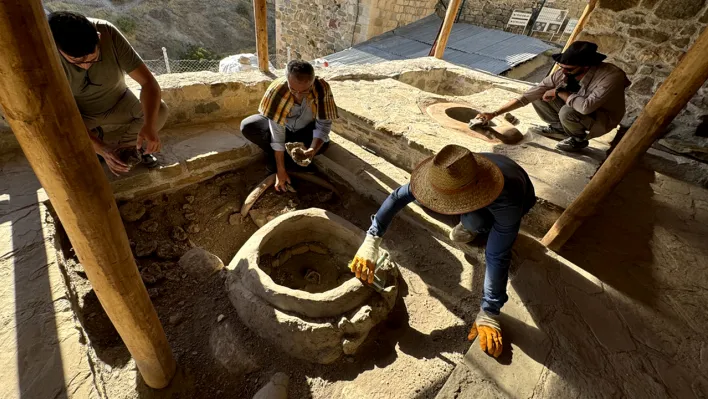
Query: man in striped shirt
x=297 y=108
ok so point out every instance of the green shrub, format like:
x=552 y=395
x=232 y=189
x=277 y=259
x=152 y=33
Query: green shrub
x=126 y=25
x=195 y=52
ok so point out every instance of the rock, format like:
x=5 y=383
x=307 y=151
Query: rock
x=277 y=388
x=220 y=318
x=152 y=274
x=607 y=43
x=173 y=275
x=178 y=234
x=651 y=35
x=193 y=228
x=190 y=216
x=235 y=219
x=297 y=153
x=324 y=196
x=259 y=217
x=176 y=318
x=679 y=9
x=168 y=250
x=227 y=209
x=200 y=264
x=187 y=207
x=189 y=198
x=643 y=86
x=149 y=226
x=153 y=293
x=618 y=5
x=144 y=249
x=132 y=211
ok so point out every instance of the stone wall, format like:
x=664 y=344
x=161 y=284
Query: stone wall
x=316 y=28
x=646 y=38
x=494 y=14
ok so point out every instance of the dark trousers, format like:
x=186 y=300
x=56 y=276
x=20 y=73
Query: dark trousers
x=255 y=129
x=564 y=118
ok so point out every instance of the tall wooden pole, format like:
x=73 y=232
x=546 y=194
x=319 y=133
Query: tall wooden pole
x=578 y=28
x=43 y=115
x=685 y=80
x=441 y=42
x=260 y=16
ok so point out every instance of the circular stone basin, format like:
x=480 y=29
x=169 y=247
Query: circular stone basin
x=290 y=284
x=462 y=114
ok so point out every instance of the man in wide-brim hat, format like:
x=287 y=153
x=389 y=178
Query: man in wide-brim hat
x=583 y=99
x=491 y=193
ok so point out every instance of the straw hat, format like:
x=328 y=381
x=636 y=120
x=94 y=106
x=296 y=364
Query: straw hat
x=456 y=181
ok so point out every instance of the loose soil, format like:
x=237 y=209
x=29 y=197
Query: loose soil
x=219 y=357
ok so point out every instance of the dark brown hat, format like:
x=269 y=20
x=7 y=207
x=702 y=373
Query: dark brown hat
x=580 y=54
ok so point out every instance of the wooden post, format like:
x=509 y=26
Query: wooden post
x=42 y=113
x=441 y=42
x=260 y=16
x=578 y=28
x=685 y=80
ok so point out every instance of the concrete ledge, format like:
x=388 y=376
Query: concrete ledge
x=189 y=155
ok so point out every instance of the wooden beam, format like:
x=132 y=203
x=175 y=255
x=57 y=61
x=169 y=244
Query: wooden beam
x=260 y=16
x=673 y=95
x=441 y=42
x=578 y=28
x=42 y=113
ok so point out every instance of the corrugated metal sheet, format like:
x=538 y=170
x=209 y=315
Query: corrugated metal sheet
x=470 y=46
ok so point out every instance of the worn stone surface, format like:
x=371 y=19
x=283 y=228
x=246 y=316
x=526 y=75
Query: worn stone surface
x=200 y=263
x=276 y=388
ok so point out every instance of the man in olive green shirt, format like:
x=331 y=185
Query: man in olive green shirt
x=95 y=57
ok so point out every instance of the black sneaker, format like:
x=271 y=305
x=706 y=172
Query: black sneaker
x=548 y=131
x=149 y=160
x=572 y=144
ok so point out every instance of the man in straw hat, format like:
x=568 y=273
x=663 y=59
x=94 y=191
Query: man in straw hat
x=491 y=193
x=583 y=99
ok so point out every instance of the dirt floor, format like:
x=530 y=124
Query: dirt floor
x=219 y=357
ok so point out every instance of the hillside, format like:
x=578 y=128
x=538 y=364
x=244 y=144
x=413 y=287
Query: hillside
x=223 y=27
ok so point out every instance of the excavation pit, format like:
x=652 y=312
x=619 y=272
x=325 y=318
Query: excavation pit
x=290 y=284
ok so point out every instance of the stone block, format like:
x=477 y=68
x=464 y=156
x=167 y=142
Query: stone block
x=618 y=5
x=607 y=43
x=152 y=190
x=643 y=86
x=681 y=43
x=651 y=35
x=679 y=9
x=649 y=4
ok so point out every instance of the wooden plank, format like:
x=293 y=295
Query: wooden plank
x=450 y=16
x=42 y=113
x=260 y=16
x=673 y=95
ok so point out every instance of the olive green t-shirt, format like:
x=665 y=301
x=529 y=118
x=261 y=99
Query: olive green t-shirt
x=97 y=89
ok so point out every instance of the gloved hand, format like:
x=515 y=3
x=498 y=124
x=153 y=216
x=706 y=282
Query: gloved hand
x=489 y=331
x=364 y=261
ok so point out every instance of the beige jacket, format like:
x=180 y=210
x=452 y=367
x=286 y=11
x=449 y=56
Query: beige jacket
x=601 y=95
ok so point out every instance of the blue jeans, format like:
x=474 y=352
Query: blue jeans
x=502 y=222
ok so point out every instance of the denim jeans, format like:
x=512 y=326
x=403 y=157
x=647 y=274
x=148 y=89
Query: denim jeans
x=501 y=220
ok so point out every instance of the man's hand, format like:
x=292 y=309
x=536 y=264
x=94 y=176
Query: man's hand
x=364 y=262
x=153 y=140
x=310 y=153
x=489 y=332
x=485 y=116
x=281 y=179
x=114 y=163
x=550 y=95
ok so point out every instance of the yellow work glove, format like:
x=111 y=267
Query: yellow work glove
x=489 y=331
x=364 y=262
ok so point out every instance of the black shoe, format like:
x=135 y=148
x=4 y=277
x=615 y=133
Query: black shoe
x=149 y=160
x=572 y=144
x=550 y=132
